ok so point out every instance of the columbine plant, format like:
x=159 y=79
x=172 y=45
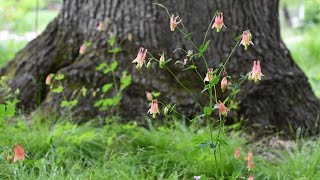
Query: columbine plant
x=59 y=89
x=111 y=100
x=210 y=81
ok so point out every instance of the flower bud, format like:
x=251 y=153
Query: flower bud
x=149 y=64
x=162 y=60
x=82 y=49
x=48 y=80
x=149 y=96
x=224 y=84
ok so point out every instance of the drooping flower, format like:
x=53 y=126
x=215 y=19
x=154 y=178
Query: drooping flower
x=149 y=96
x=246 y=39
x=154 y=108
x=83 y=49
x=209 y=75
x=196 y=177
x=250 y=165
x=224 y=83
x=251 y=177
x=141 y=57
x=162 y=60
x=48 y=80
x=223 y=110
x=18 y=153
x=218 y=22
x=174 y=22
x=101 y=26
x=256 y=73
x=237 y=154
x=249 y=157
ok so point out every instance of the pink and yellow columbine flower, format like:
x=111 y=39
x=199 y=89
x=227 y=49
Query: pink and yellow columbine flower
x=141 y=57
x=251 y=177
x=223 y=110
x=250 y=165
x=237 y=154
x=82 y=49
x=249 y=157
x=101 y=26
x=209 y=75
x=48 y=80
x=218 y=22
x=18 y=153
x=154 y=108
x=224 y=83
x=246 y=39
x=256 y=73
x=174 y=22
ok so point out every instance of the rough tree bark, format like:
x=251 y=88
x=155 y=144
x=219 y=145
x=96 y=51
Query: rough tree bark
x=282 y=101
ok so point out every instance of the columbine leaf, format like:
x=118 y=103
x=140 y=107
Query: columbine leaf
x=125 y=81
x=70 y=104
x=101 y=66
x=115 y=50
x=242 y=77
x=113 y=66
x=206 y=87
x=106 y=87
x=59 y=77
x=58 y=89
x=214 y=81
x=190 y=67
x=207 y=111
x=111 y=41
x=155 y=94
x=203 y=48
x=235 y=86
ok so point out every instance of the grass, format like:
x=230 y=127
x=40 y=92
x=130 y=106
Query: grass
x=304 y=47
x=25 y=24
x=8 y=49
x=63 y=150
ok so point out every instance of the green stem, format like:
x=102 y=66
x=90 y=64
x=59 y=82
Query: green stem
x=117 y=89
x=224 y=64
x=176 y=78
x=195 y=99
x=214 y=151
x=205 y=37
x=202 y=80
x=65 y=99
x=218 y=139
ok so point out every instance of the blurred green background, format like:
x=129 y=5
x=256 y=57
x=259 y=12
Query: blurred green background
x=300 y=26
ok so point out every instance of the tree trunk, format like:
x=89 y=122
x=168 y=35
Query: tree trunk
x=282 y=101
